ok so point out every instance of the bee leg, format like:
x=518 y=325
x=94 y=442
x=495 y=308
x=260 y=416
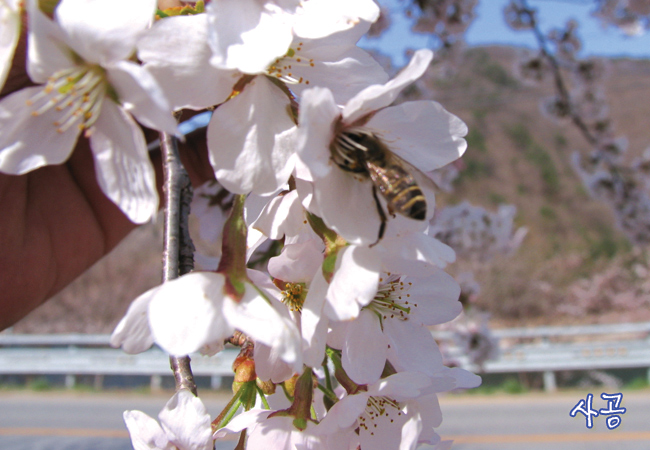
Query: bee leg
x=382 y=216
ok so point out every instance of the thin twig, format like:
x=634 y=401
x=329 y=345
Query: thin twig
x=178 y=251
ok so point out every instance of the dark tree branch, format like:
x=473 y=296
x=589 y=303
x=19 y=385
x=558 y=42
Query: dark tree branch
x=178 y=251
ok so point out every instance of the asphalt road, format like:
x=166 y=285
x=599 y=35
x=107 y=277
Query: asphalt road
x=73 y=421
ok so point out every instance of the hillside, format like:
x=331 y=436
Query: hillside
x=574 y=265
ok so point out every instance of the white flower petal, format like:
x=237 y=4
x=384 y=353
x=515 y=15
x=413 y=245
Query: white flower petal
x=414 y=254
x=364 y=351
x=145 y=432
x=436 y=298
x=347 y=206
x=354 y=283
x=244 y=420
x=186 y=313
x=251 y=140
x=28 y=142
x=10 y=26
x=297 y=262
x=275 y=215
x=344 y=413
x=124 y=171
x=318 y=111
x=268 y=323
x=412 y=348
x=141 y=95
x=46 y=50
x=320 y=18
x=133 y=333
x=269 y=365
x=379 y=96
x=186 y=422
x=248 y=35
x=337 y=64
x=464 y=378
x=410 y=433
x=176 y=52
x=313 y=322
x=104 y=31
x=401 y=386
x=427 y=148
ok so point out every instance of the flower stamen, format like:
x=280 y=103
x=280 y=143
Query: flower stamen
x=282 y=68
x=294 y=296
x=76 y=92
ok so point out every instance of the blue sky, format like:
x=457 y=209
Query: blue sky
x=489 y=28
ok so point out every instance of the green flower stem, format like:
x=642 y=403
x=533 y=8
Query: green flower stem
x=328 y=393
x=339 y=373
x=234 y=401
x=233 y=250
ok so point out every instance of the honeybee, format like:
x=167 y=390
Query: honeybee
x=362 y=152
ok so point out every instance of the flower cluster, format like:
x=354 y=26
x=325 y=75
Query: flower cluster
x=311 y=153
x=582 y=102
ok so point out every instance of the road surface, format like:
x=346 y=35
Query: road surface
x=87 y=421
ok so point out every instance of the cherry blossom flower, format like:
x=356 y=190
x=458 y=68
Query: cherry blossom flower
x=277 y=433
x=389 y=414
x=90 y=85
x=251 y=135
x=393 y=326
x=421 y=133
x=209 y=314
x=10 y=26
x=184 y=425
x=248 y=35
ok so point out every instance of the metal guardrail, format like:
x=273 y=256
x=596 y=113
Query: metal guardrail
x=541 y=349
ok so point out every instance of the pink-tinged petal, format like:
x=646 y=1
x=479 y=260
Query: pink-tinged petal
x=354 y=283
x=141 y=95
x=186 y=422
x=266 y=321
x=343 y=68
x=313 y=322
x=199 y=322
x=412 y=348
x=401 y=386
x=176 y=52
x=124 y=171
x=464 y=378
x=46 y=50
x=28 y=142
x=364 y=350
x=376 y=97
x=298 y=262
x=104 y=31
x=10 y=26
x=251 y=140
x=429 y=409
x=343 y=414
x=133 y=333
x=426 y=147
x=383 y=430
x=434 y=300
x=410 y=433
x=318 y=111
x=269 y=365
x=347 y=206
x=244 y=420
x=248 y=35
x=145 y=432
x=338 y=331
x=414 y=254
x=278 y=214
x=320 y=18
